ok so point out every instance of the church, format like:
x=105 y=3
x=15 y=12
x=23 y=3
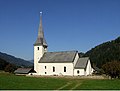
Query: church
x=62 y=63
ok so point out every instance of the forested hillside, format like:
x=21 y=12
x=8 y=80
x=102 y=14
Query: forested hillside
x=14 y=60
x=108 y=51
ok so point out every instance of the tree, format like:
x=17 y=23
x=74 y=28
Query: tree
x=112 y=69
x=10 y=68
x=3 y=64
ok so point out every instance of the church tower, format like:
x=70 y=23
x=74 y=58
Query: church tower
x=40 y=46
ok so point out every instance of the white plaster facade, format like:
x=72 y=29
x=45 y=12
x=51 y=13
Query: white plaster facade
x=79 y=72
x=38 y=53
x=76 y=59
x=84 y=72
x=59 y=69
x=89 y=69
x=56 y=69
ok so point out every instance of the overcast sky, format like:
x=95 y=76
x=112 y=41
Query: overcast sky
x=68 y=24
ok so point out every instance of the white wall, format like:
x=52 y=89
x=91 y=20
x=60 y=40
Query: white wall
x=59 y=69
x=37 y=55
x=81 y=72
x=87 y=71
x=89 y=68
x=76 y=59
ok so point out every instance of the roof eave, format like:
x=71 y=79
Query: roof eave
x=55 y=62
x=39 y=44
x=79 y=67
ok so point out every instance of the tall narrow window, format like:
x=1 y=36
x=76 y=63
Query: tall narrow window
x=64 y=69
x=38 y=48
x=45 y=67
x=53 y=69
x=78 y=71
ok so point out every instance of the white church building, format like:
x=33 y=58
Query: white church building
x=66 y=63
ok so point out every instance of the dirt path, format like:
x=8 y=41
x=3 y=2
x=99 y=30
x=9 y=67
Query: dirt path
x=75 y=85
x=64 y=86
x=78 y=84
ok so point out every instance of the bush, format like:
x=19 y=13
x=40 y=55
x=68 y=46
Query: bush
x=112 y=69
x=10 y=68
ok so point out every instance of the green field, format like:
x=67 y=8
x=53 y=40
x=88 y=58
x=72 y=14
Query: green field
x=12 y=82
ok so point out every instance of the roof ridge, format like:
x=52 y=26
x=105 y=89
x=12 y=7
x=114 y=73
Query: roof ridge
x=62 y=51
x=24 y=68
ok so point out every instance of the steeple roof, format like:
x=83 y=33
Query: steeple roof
x=40 y=39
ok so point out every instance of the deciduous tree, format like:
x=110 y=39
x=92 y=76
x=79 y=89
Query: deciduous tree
x=10 y=68
x=112 y=69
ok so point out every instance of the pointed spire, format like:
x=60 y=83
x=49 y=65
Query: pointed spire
x=40 y=39
x=40 y=30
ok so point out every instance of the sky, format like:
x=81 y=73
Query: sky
x=68 y=24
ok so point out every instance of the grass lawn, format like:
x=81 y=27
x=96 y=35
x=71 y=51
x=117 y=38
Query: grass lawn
x=12 y=82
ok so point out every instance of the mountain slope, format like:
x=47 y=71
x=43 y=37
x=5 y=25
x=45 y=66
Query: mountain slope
x=108 y=51
x=14 y=60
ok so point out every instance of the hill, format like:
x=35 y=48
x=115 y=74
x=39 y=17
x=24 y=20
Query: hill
x=14 y=60
x=105 y=52
x=32 y=61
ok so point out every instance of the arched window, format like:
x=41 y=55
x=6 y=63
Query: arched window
x=38 y=48
x=64 y=69
x=78 y=71
x=53 y=69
